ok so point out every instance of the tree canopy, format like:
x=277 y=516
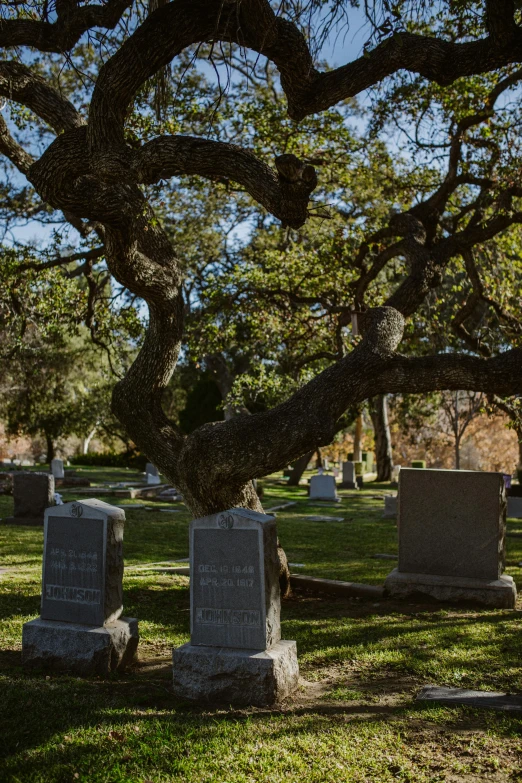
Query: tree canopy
x=429 y=239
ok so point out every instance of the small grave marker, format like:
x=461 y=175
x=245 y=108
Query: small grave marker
x=80 y=628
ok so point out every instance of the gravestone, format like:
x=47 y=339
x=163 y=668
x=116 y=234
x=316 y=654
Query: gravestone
x=57 y=468
x=152 y=472
x=235 y=654
x=322 y=487
x=390 y=506
x=349 y=477
x=514 y=507
x=452 y=537
x=33 y=493
x=80 y=627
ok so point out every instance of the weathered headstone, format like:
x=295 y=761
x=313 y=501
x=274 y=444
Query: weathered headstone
x=236 y=654
x=514 y=507
x=33 y=493
x=80 y=628
x=323 y=488
x=349 y=477
x=152 y=472
x=395 y=473
x=451 y=537
x=57 y=468
x=390 y=506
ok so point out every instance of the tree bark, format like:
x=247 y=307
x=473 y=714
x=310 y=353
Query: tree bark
x=87 y=440
x=383 y=446
x=299 y=468
x=50 y=448
x=357 y=438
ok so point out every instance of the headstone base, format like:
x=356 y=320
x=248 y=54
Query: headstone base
x=500 y=593
x=81 y=649
x=232 y=676
x=28 y=521
x=349 y=485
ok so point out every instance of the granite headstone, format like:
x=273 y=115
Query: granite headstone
x=390 y=506
x=152 y=472
x=349 y=477
x=236 y=653
x=235 y=588
x=323 y=488
x=452 y=529
x=33 y=493
x=80 y=628
x=57 y=468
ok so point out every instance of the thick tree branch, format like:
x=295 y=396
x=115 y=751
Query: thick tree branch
x=268 y=441
x=20 y=84
x=60 y=36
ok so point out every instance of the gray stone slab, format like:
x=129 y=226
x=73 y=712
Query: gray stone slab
x=323 y=488
x=324 y=519
x=390 y=506
x=57 y=468
x=499 y=593
x=236 y=677
x=451 y=523
x=336 y=587
x=490 y=700
x=79 y=649
x=83 y=563
x=349 y=477
x=281 y=506
x=235 y=599
x=33 y=493
x=514 y=507
x=151 y=469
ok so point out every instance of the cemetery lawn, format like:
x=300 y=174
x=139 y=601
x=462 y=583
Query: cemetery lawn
x=362 y=662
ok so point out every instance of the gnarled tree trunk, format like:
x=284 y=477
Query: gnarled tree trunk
x=381 y=427
x=91 y=172
x=299 y=468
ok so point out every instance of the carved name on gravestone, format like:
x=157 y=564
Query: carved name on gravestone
x=57 y=468
x=235 y=581
x=33 y=493
x=323 y=488
x=83 y=563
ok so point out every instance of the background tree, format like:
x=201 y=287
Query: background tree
x=97 y=171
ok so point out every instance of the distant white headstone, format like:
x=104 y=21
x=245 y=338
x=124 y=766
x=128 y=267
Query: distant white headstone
x=152 y=472
x=57 y=468
x=323 y=488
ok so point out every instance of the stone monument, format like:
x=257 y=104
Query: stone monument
x=349 y=477
x=514 y=507
x=80 y=628
x=33 y=493
x=322 y=487
x=452 y=537
x=235 y=655
x=57 y=468
x=390 y=506
x=152 y=472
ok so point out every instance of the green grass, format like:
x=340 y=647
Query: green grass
x=354 y=717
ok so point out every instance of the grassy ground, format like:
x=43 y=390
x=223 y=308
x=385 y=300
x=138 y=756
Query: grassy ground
x=354 y=717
